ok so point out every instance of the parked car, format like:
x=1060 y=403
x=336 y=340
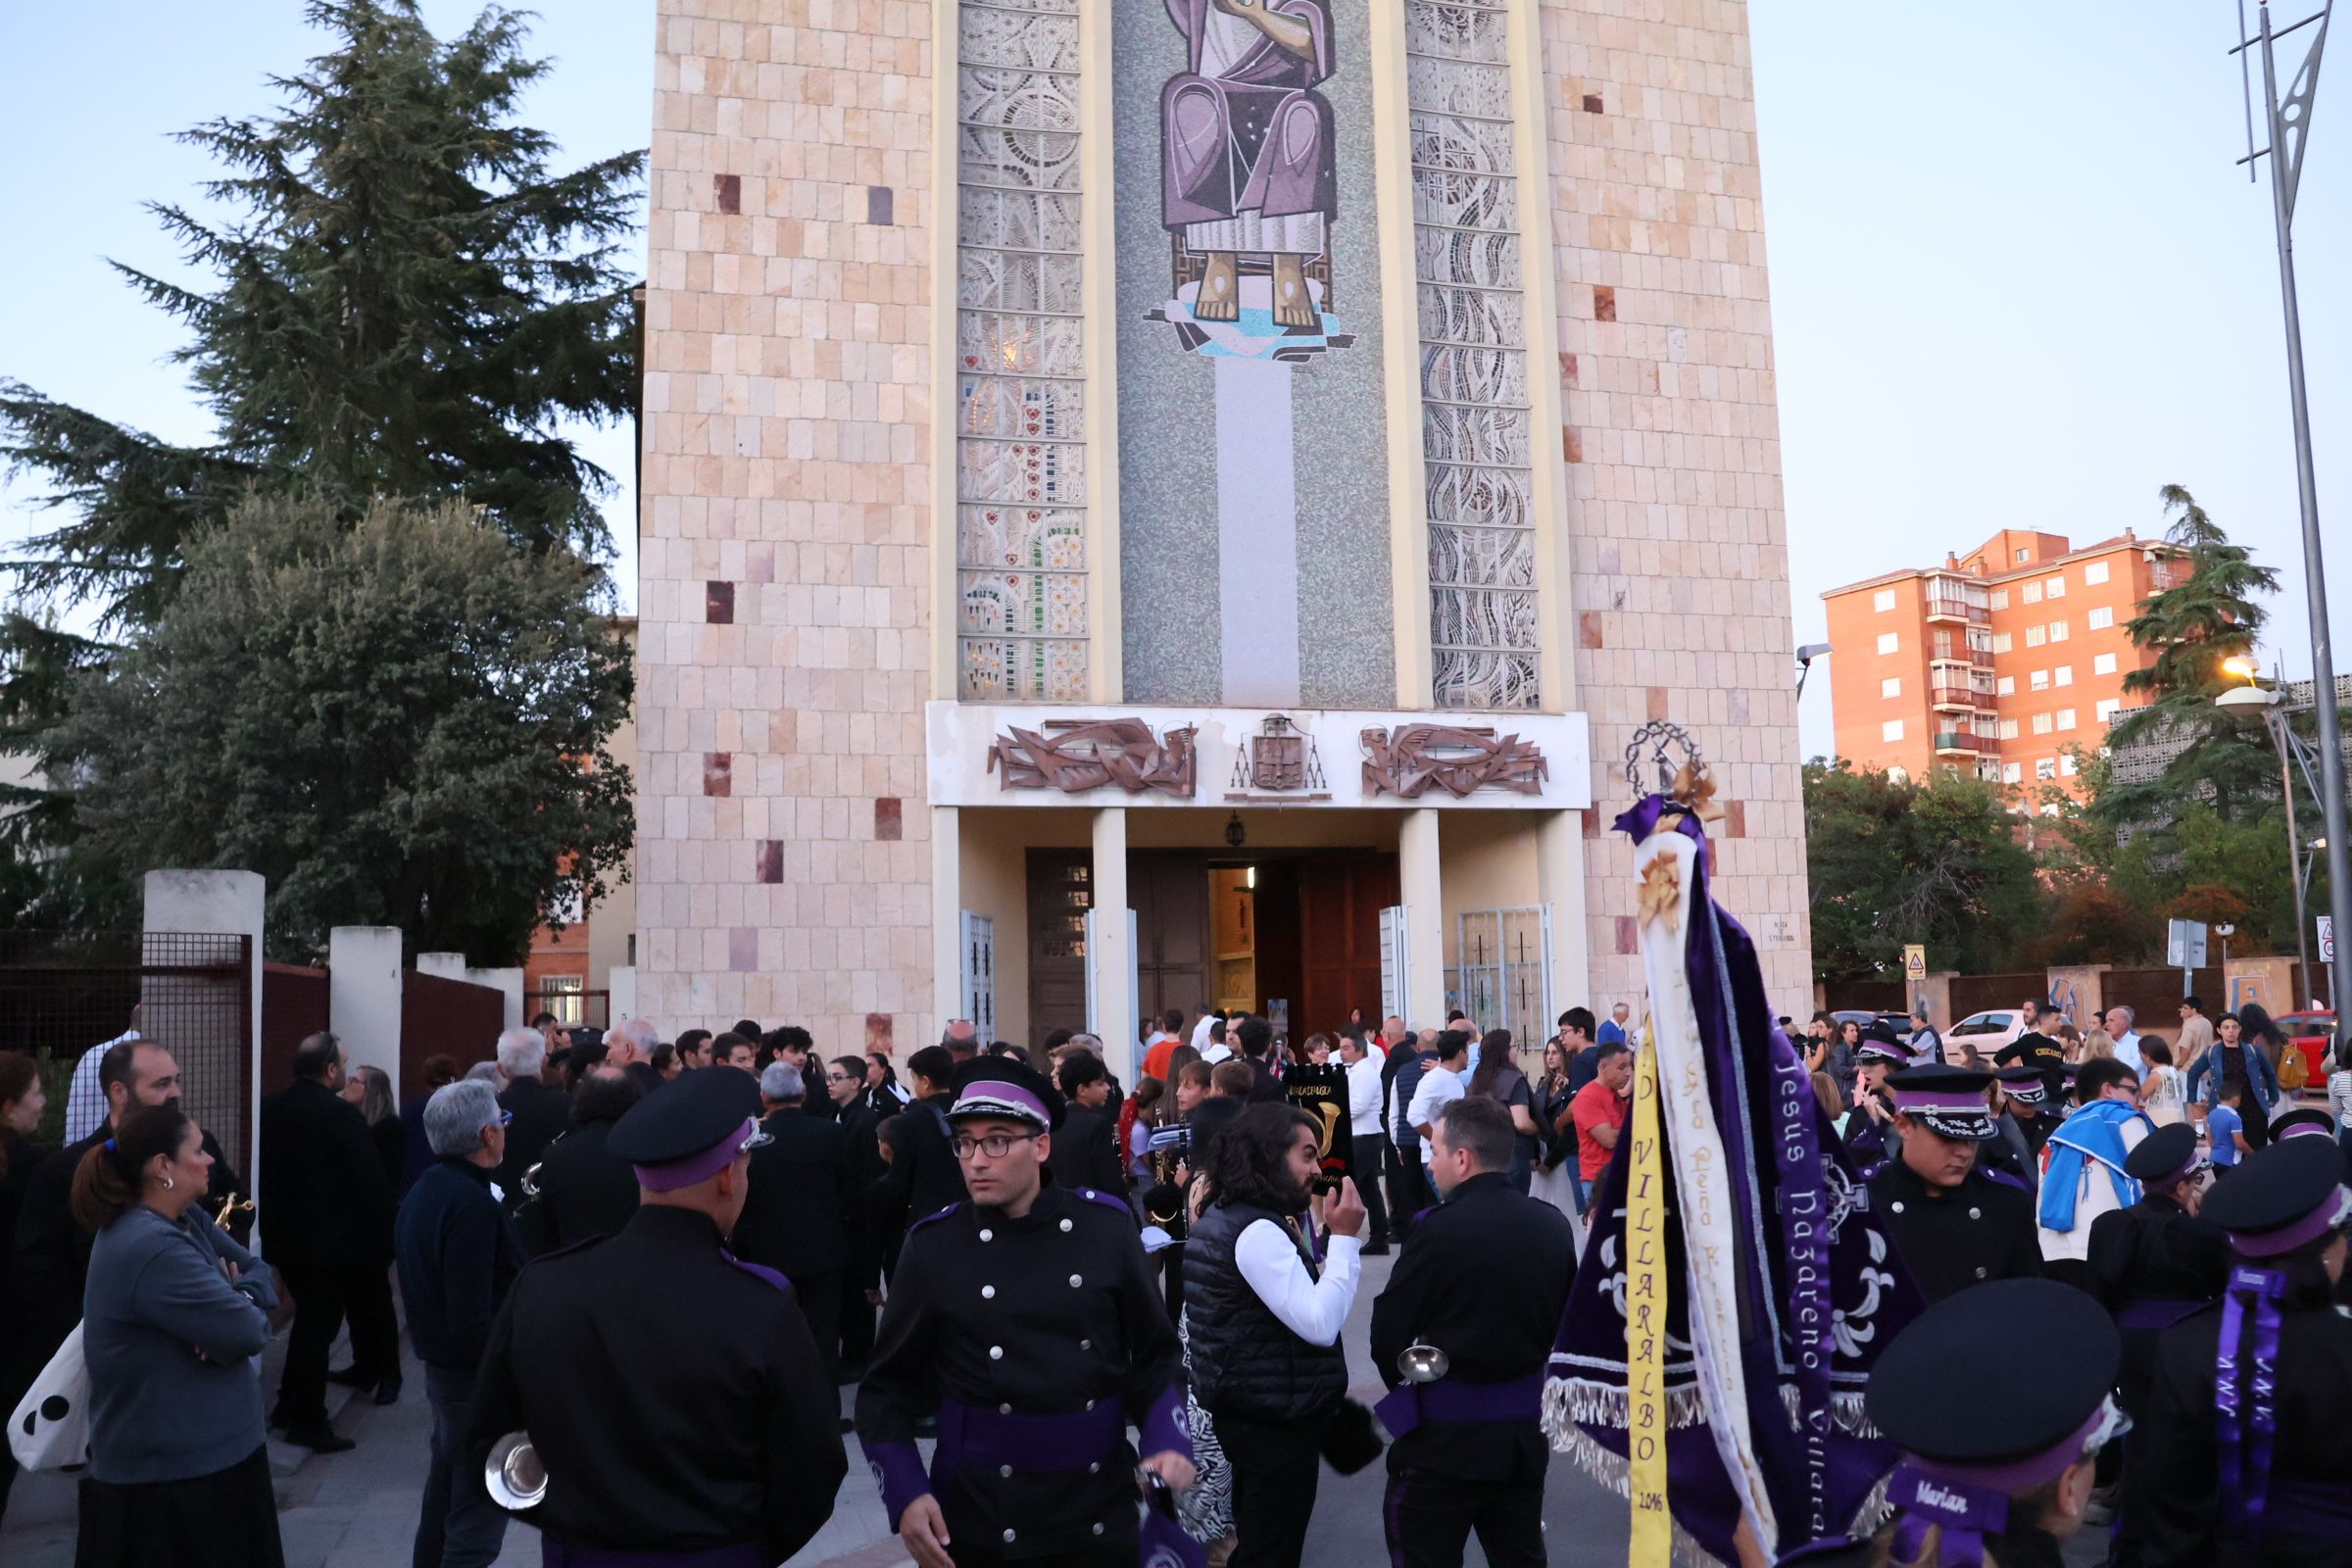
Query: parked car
x=2314 y=1035
x=1987 y=1031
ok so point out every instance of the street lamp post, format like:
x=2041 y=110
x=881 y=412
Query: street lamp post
x=2288 y=124
x=2298 y=866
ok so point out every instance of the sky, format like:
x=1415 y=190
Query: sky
x=2017 y=280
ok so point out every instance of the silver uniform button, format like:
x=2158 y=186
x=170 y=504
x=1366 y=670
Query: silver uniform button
x=988 y=1292
x=1898 y=1208
x=1005 y=1470
x=1980 y=1271
x=1003 y=1410
x=1085 y=1344
x=1098 y=1529
x=1975 y=1214
x=1086 y=1193
x=996 y=1353
x=1095 y=1469
x=1065 y=1224
x=1008 y=1535
x=1077 y=1280
x=988 y=1235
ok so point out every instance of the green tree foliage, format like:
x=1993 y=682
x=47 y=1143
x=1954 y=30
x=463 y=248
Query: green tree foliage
x=2208 y=614
x=402 y=298
x=1895 y=861
x=400 y=720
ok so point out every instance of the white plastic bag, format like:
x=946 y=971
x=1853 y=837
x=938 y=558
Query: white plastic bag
x=50 y=1427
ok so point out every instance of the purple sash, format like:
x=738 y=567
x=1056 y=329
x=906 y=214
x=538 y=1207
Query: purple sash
x=2246 y=1411
x=974 y=1435
x=2156 y=1315
x=1408 y=1404
x=1805 y=1238
x=1968 y=1514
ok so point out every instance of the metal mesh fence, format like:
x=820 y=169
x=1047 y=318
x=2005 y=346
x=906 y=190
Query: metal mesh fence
x=61 y=993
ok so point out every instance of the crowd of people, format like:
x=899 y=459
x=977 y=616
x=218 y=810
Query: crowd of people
x=654 y=1263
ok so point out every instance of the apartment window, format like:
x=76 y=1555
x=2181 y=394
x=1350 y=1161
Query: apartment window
x=2013 y=773
x=2006 y=686
x=2054 y=587
x=2106 y=708
x=1890 y=640
x=2038 y=681
x=2001 y=642
x=2000 y=599
x=1891 y=686
x=2066 y=765
x=1892 y=730
x=2066 y=718
x=2094 y=574
x=2102 y=665
x=2023 y=556
x=565 y=996
x=2046 y=767
x=2029 y=593
x=2042 y=723
x=2036 y=636
x=2008 y=729
x=2058 y=631
x=1882 y=599
x=2064 y=674
x=2159 y=575
x=1899 y=775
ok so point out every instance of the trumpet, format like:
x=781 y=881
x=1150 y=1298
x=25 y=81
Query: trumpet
x=512 y=1473
x=530 y=1180
x=230 y=1209
x=1421 y=1362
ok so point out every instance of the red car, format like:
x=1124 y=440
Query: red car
x=2314 y=1035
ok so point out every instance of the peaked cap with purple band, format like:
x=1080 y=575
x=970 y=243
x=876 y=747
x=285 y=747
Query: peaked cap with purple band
x=1949 y=1100
x=2281 y=1198
x=690 y=1129
x=998 y=1086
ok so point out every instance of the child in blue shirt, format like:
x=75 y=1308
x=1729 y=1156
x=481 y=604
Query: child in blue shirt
x=2226 y=1128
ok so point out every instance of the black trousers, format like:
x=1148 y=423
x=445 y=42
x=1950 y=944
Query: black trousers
x=1371 y=1164
x=322 y=1300
x=1428 y=1519
x=821 y=1304
x=375 y=1329
x=857 y=1321
x=1405 y=1187
x=1275 y=1468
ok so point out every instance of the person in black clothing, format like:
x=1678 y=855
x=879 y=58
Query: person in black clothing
x=1264 y=1317
x=22 y=1101
x=1409 y=1193
x=583 y=1189
x=2261 y=1473
x=1484 y=1279
x=862 y=1275
x=718 y=1446
x=2152 y=1265
x=416 y=1155
x=923 y=1177
x=882 y=1091
x=1954 y=1225
x=1085 y=1146
x=1256 y=1041
x=1578 y=1046
x=796 y=1219
x=1026 y=1321
x=458 y=1256
x=2015 y=1469
x=329 y=1211
x=374 y=1327
x=2023 y=1105
x=369 y=1089
x=1229 y=1085
x=536 y=1114
x=629 y=1045
x=1870 y=1122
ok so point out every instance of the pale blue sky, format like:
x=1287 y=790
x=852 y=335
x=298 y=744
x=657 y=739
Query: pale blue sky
x=2016 y=279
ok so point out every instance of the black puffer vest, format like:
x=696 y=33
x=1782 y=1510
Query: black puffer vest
x=1246 y=1362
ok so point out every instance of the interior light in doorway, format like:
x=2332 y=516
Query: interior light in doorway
x=1235 y=834
x=1250 y=878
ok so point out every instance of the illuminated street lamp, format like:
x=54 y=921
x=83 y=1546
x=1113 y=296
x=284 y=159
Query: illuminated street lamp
x=2290 y=747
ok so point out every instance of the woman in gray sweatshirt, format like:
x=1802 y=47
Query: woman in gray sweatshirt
x=173 y=1321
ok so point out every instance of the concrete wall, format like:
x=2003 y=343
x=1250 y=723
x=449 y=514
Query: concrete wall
x=364 y=965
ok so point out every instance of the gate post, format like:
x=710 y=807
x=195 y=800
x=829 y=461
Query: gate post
x=363 y=998
x=225 y=902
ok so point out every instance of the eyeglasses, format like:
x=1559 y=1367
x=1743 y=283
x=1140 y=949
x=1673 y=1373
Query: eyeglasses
x=839 y=1078
x=996 y=1145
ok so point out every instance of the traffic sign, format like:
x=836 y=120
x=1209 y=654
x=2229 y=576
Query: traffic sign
x=2326 y=939
x=1915 y=962
x=2184 y=944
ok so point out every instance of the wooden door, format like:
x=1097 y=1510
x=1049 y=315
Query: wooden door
x=1062 y=889
x=1169 y=894
x=1340 y=898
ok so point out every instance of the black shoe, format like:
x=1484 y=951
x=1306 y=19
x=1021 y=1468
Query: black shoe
x=322 y=1439
x=349 y=1377
x=388 y=1391
x=1376 y=1250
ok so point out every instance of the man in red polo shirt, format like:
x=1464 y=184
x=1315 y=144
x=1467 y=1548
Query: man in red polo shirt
x=1599 y=1110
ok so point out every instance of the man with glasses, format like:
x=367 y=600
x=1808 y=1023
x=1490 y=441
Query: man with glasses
x=1028 y=1322
x=714 y=1445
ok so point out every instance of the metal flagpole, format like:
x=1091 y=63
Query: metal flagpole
x=2290 y=123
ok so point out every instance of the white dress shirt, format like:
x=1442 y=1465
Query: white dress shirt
x=2127 y=1051
x=1363 y=1094
x=85 y=1096
x=1314 y=1309
x=1439 y=1086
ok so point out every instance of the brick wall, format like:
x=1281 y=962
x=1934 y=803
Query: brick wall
x=1679 y=544
x=783 y=588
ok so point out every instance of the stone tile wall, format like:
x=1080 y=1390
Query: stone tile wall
x=1678 y=543
x=784 y=588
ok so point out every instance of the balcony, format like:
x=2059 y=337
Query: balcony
x=1957 y=694
x=1959 y=609
x=1952 y=742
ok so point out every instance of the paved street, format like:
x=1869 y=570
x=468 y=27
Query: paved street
x=359 y=1509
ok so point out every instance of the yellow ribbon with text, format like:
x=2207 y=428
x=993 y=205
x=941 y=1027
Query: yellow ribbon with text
x=1645 y=1318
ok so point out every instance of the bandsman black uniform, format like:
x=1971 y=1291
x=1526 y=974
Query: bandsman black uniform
x=2247 y=1449
x=718 y=1447
x=2152 y=1265
x=1954 y=1225
x=1483 y=1281
x=1029 y=1322
x=2007 y=1478
x=2025 y=1106
x=1871 y=1139
x=2039 y=1051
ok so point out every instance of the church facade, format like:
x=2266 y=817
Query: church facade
x=1154 y=503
